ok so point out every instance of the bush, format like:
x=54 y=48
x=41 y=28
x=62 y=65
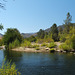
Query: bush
x=40 y=41
x=47 y=40
x=52 y=45
x=62 y=39
x=34 y=46
x=44 y=44
x=65 y=47
x=9 y=69
x=26 y=44
x=14 y=44
x=37 y=48
x=73 y=42
x=52 y=50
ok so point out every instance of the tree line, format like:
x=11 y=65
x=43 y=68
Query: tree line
x=65 y=33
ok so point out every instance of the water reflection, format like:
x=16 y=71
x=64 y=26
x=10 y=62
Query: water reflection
x=13 y=55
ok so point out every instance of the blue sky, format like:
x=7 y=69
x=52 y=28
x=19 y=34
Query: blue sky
x=28 y=16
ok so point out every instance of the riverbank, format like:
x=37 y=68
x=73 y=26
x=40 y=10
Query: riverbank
x=42 y=49
x=39 y=49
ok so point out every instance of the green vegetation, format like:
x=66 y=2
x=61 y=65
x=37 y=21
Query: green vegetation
x=52 y=50
x=64 y=47
x=47 y=40
x=32 y=39
x=52 y=45
x=65 y=34
x=35 y=46
x=44 y=44
x=14 y=44
x=11 y=38
x=9 y=69
x=41 y=34
x=73 y=42
x=26 y=44
x=54 y=32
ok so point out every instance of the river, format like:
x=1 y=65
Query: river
x=41 y=63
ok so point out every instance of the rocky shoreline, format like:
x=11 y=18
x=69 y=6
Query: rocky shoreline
x=41 y=50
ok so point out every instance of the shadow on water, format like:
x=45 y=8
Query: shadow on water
x=42 y=63
x=13 y=55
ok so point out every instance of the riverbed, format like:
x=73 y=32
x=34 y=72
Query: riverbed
x=41 y=63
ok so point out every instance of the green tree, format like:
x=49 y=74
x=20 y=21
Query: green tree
x=11 y=35
x=54 y=32
x=41 y=34
x=32 y=38
x=68 y=19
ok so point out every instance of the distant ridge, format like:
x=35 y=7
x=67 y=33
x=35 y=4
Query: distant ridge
x=26 y=35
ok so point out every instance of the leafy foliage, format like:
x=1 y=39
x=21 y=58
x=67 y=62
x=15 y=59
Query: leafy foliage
x=26 y=44
x=11 y=35
x=73 y=42
x=32 y=39
x=54 y=32
x=65 y=47
x=44 y=44
x=9 y=69
x=52 y=45
x=14 y=44
x=52 y=50
x=41 y=34
x=35 y=46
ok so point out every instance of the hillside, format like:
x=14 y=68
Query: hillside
x=26 y=35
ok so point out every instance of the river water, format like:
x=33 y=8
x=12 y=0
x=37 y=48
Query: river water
x=41 y=63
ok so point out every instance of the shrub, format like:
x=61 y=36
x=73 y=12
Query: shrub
x=65 y=47
x=44 y=44
x=73 y=42
x=40 y=40
x=52 y=50
x=9 y=69
x=37 y=48
x=52 y=45
x=49 y=40
x=26 y=44
x=14 y=44
x=34 y=46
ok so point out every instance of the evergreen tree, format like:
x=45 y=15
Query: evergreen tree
x=41 y=34
x=68 y=19
x=54 y=32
